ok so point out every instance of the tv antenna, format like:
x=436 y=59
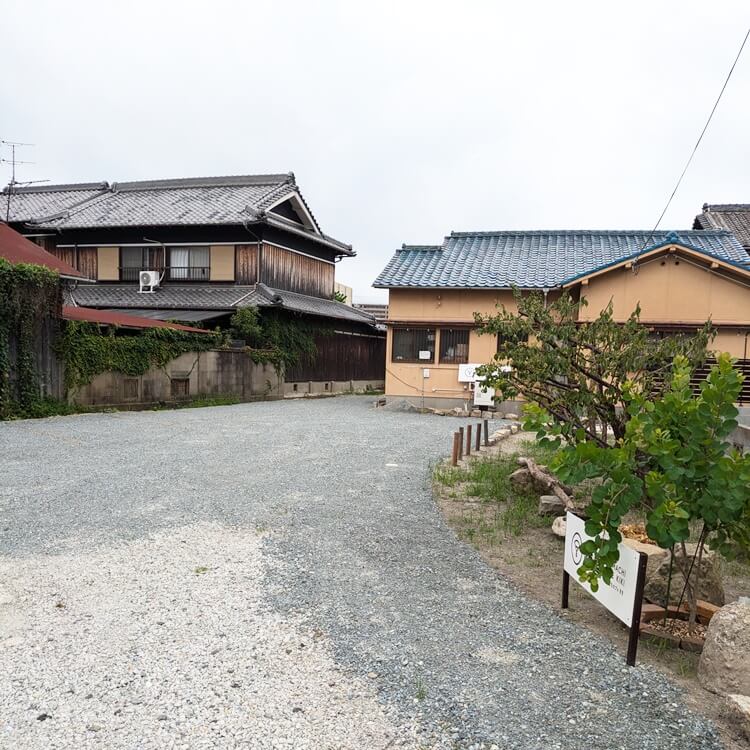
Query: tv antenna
x=13 y=161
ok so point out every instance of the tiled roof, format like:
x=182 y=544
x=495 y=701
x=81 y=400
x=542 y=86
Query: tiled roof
x=195 y=201
x=734 y=217
x=167 y=297
x=535 y=259
x=219 y=298
x=307 y=305
x=40 y=201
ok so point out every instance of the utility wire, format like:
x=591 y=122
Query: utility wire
x=697 y=144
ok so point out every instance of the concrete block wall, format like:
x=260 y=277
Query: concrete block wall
x=191 y=375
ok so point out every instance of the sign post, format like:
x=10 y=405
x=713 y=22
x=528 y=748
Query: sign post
x=623 y=595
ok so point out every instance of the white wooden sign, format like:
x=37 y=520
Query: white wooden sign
x=620 y=594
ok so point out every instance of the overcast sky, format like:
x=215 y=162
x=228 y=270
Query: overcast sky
x=401 y=120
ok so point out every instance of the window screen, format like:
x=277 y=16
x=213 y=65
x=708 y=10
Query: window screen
x=409 y=342
x=133 y=260
x=454 y=346
x=521 y=338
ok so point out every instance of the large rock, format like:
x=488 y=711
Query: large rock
x=739 y=710
x=724 y=666
x=710 y=588
x=521 y=479
x=656 y=555
x=551 y=505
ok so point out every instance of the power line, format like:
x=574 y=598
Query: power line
x=697 y=144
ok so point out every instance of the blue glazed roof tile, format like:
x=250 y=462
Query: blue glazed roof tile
x=536 y=259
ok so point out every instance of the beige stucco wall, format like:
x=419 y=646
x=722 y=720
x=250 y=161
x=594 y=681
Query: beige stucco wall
x=669 y=290
x=222 y=262
x=432 y=308
x=669 y=294
x=108 y=263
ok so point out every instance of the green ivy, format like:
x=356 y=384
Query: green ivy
x=277 y=338
x=29 y=294
x=86 y=351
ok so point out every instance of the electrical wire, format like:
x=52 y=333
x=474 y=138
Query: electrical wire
x=695 y=148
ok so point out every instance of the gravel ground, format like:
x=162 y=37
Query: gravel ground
x=277 y=575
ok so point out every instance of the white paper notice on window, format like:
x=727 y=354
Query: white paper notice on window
x=425 y=354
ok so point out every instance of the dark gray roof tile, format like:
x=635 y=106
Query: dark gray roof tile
x=124 y=297
x=734 y=217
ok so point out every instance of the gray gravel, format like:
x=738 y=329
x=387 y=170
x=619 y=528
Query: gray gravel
x=315 y=524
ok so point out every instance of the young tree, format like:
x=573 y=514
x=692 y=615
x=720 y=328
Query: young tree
x=667 y=454
x=576 y=372
x=675 y=463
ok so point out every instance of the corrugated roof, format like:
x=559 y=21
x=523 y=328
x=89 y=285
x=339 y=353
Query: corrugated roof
x=110 y=317
x=171 y=299
x=184 y=316
x=734 y=217
x=17 y=249
x=535 y=259
x=193 y=201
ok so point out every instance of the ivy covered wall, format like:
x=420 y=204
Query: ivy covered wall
x=29 y=311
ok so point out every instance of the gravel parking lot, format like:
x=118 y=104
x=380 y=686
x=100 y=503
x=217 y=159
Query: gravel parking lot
x=276 y=575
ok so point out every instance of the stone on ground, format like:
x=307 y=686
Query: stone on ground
x=710 y=588
x=724 y=666
x=551 y=505
x=560 y=526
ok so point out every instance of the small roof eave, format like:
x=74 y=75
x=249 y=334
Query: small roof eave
x=651 y=252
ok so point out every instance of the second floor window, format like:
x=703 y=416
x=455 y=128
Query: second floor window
x=133 y=260
x=189 y=264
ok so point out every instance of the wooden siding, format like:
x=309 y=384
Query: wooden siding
x=343 y=356
x=65 y=254
x=82 y=259
x=87 y=261
x=246 y=264
x=282 y=269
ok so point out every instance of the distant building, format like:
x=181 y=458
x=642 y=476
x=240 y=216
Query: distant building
x=343 y=291
x=379 y=312
x=734 y=217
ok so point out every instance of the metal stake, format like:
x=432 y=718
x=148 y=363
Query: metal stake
x=478 y=441
x=460 y=443
x=486 y=433
x=468 y=440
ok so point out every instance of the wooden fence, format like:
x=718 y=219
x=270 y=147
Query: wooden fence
x=342 y=356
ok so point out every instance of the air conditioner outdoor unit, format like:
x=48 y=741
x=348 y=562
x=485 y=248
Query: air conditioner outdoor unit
x=148 y=279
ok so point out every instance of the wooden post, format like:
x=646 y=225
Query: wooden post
x=456 y=448
x=468 y=439
x=478 y=441
x=635 y=623
x=486 y=433
x=460 y=443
